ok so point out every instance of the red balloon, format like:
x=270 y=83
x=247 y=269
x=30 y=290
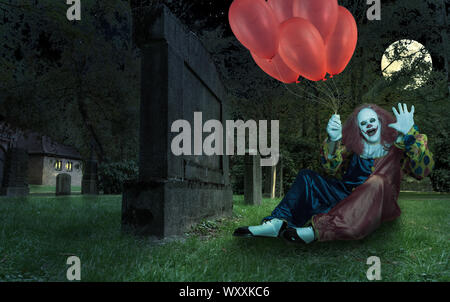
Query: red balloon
x=302 y=48
x=282 y=9
x=342 y=43
x=322 y=14
x=277 y=69
x=255 y=26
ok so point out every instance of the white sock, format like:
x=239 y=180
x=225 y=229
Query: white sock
x=269 y=228
x=306 y=234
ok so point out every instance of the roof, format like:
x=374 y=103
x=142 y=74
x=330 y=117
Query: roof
x=37 y=143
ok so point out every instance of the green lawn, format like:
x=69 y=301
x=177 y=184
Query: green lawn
x=38 y=233
x=50 y=189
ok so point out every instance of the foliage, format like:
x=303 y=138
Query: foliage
x=112 y=175
x=237 y=169
x=74 y=81
x=441 y=174
x=441 y=180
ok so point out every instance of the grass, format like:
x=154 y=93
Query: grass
x=38 y=189
x=39 y=233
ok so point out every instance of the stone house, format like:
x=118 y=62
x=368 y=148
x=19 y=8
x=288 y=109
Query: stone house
x=46 y=158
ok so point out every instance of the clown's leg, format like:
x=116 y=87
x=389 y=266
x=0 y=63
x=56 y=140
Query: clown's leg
x=300 y=235
x=269 y=228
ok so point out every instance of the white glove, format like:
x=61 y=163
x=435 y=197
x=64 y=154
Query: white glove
x=334 y=128
x=405 y=119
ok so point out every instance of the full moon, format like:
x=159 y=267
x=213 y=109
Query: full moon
x=403 y=54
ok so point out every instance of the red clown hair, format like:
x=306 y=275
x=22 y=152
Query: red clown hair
x=351 y=134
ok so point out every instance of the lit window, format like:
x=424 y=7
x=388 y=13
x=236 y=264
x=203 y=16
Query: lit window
x=58 y=165
x=69 y=166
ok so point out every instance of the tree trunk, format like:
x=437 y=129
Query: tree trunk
x=85 y=117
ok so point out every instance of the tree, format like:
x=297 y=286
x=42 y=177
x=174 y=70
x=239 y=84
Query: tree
x=75 y=81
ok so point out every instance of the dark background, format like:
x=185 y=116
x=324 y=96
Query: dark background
x=78 y=82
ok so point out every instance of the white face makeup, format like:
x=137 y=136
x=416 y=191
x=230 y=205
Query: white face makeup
x=369 y=124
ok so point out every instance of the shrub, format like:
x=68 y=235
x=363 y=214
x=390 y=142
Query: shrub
x=112 y=175
x=440 y=177
x=441 y=180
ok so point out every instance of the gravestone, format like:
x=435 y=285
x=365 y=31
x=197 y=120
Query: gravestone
x=178 y=78
x=252 y=179
x=15 y=173
x=63 y=184
x=269 y=181
x=89 y=180
x=280 y=177
x=2 y=164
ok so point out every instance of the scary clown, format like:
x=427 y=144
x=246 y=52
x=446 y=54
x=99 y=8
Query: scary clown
x=365 y=160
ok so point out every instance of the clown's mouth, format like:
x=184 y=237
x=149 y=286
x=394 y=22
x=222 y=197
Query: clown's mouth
x=372 y=132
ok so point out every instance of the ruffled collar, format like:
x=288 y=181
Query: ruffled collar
x=372 y=151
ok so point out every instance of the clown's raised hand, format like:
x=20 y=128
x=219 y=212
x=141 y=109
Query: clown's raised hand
x=405 y=119
x=334 y=128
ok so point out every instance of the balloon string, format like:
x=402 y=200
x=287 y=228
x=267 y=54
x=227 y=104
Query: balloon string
x=338 y=93
x=341 y=99
x=325 y=90
x=335 y=91
x=314 y=98
x=324 y=102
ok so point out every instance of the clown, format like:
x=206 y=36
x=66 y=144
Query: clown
x=365 y=161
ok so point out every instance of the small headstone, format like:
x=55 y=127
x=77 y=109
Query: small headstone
x=63 y=184
x=252 y=179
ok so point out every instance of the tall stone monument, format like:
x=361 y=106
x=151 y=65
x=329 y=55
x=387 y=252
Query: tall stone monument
x=252 y=179
x=2 y=164
x=280 y=177
x=15 y=173
x=178 y=78
x=90 y=177
x=269 y=181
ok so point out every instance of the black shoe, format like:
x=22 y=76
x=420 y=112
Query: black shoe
x=290 y=234
x=242 y=232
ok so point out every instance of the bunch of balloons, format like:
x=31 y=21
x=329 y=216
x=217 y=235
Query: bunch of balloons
x=292 y=38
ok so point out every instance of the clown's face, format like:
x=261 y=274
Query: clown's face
x=370 y=126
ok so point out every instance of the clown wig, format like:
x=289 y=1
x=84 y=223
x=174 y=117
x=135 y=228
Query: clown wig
x=351 y=134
